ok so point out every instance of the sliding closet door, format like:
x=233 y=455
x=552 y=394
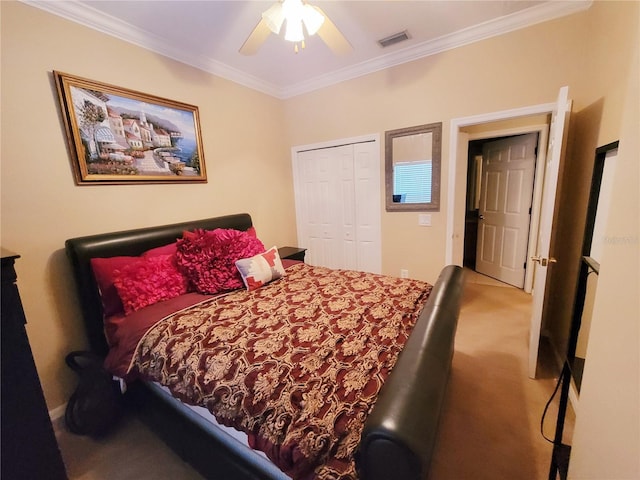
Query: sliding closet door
x=367 y=204
x=344 y=215
x=317 y=202
x=338 y=205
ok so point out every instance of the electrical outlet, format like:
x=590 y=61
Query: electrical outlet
x=404 y=273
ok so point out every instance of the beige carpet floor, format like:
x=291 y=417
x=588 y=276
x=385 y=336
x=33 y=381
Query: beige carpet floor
x=490 y=426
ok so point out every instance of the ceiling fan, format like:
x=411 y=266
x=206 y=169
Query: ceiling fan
x=299 y=17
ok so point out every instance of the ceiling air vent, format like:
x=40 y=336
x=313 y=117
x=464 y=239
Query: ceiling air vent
x=393 y=39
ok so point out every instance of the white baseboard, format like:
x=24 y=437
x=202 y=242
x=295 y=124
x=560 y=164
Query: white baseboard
x=57 y=417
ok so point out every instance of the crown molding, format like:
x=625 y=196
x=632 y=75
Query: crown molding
x=493 y=28
x=84 y=14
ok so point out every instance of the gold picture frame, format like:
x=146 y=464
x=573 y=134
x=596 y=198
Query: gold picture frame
x=121 y=136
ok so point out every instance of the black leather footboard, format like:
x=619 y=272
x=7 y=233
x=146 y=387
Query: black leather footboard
x=400 y=433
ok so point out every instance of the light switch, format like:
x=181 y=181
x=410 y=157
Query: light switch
x=424 y=219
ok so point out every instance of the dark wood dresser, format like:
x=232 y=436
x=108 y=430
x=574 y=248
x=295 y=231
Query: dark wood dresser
x=28 y=448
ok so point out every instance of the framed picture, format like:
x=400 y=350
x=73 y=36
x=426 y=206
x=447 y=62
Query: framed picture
x=120 y=136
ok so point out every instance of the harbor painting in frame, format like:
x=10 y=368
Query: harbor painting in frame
x=119 y=136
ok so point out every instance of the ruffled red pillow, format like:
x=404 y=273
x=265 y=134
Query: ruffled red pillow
x=149 y=280
x=208 y=258
x=104 y=270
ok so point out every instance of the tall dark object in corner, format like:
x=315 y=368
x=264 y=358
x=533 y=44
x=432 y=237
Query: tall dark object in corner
x=588 y=265
x=28 y=445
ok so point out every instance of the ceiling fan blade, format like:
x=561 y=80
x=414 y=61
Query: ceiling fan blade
x=258 y=36
x=334 y=39
x=274 y=17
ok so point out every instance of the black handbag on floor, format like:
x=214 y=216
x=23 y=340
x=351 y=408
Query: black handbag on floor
x=96 y=405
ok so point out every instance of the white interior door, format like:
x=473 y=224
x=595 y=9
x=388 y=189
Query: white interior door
x=338 y=205
x=508 y=168
x=543 y=259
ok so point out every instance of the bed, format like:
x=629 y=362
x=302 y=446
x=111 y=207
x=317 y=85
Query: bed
x=397 y=430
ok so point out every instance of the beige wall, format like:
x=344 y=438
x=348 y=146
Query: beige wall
x=588 y=51
x=599 y=102
x=488 y=76
x=606 y=442
x=248 y=167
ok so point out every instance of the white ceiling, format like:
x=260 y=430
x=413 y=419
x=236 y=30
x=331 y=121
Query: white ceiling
x=208 y=34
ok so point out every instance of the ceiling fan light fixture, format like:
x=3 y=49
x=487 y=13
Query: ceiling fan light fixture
x=302 y=20
x=296 y=13
x=294 y=32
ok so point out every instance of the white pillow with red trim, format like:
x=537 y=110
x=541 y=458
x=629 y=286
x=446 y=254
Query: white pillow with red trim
x=260 y=269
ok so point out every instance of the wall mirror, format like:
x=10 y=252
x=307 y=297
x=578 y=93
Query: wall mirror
x=593 y=244
x=412 y=168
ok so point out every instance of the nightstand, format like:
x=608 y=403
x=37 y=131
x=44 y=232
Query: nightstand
x=292 y=253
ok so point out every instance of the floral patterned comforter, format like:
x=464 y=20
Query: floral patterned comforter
x=297 y=364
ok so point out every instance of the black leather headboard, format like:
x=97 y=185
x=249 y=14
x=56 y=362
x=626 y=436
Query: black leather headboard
x=126 y=243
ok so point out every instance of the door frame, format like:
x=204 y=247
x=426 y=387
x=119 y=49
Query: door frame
x=457 y=183
x=543 y=136
x=560 y=112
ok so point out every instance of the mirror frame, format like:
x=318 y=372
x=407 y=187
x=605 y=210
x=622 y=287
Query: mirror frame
x=436 y=152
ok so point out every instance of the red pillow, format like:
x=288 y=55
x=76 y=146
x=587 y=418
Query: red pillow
x=207 y=258
x=103 y=271
x=149 y=280
x=163 y=250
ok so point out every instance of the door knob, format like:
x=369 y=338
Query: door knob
x=481 y=217
x=543 y=261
